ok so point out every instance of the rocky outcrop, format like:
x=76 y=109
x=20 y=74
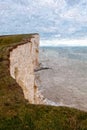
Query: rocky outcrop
x=23 y=62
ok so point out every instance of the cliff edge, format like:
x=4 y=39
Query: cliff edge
x=23 y=61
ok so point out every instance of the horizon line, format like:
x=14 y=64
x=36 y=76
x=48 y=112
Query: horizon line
x=64 y=42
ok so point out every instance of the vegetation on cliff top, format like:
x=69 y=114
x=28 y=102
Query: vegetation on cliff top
x=17 y=114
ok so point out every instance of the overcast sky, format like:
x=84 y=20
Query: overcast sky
x=50 y=18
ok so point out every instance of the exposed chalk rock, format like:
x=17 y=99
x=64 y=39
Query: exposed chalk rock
x=23 y=62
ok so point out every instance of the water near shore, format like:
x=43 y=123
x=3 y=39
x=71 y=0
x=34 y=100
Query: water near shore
x=65 y=82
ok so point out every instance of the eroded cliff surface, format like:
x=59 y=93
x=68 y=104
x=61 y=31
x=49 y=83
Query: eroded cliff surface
x=23 y=62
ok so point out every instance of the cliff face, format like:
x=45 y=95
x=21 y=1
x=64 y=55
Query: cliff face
x=23 y=61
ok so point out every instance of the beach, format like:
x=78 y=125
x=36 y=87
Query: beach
x=64 y=83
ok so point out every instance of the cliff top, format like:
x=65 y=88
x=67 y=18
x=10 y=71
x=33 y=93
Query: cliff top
x=15 y=39
x=17 y=113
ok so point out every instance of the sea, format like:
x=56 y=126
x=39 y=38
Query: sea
x=65 y=82
x=76 y=53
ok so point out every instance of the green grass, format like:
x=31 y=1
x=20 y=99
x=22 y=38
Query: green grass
x=17 y=114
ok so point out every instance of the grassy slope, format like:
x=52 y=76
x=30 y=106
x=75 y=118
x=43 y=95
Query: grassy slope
x=17 y=114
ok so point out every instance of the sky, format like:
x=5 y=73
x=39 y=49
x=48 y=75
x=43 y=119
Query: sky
x=52 y=19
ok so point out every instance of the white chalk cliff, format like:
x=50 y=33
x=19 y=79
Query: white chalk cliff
x=23 y=61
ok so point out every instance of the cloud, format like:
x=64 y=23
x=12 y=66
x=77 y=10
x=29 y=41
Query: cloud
x=77 y=14
x=52 y=18
x=63 y=42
